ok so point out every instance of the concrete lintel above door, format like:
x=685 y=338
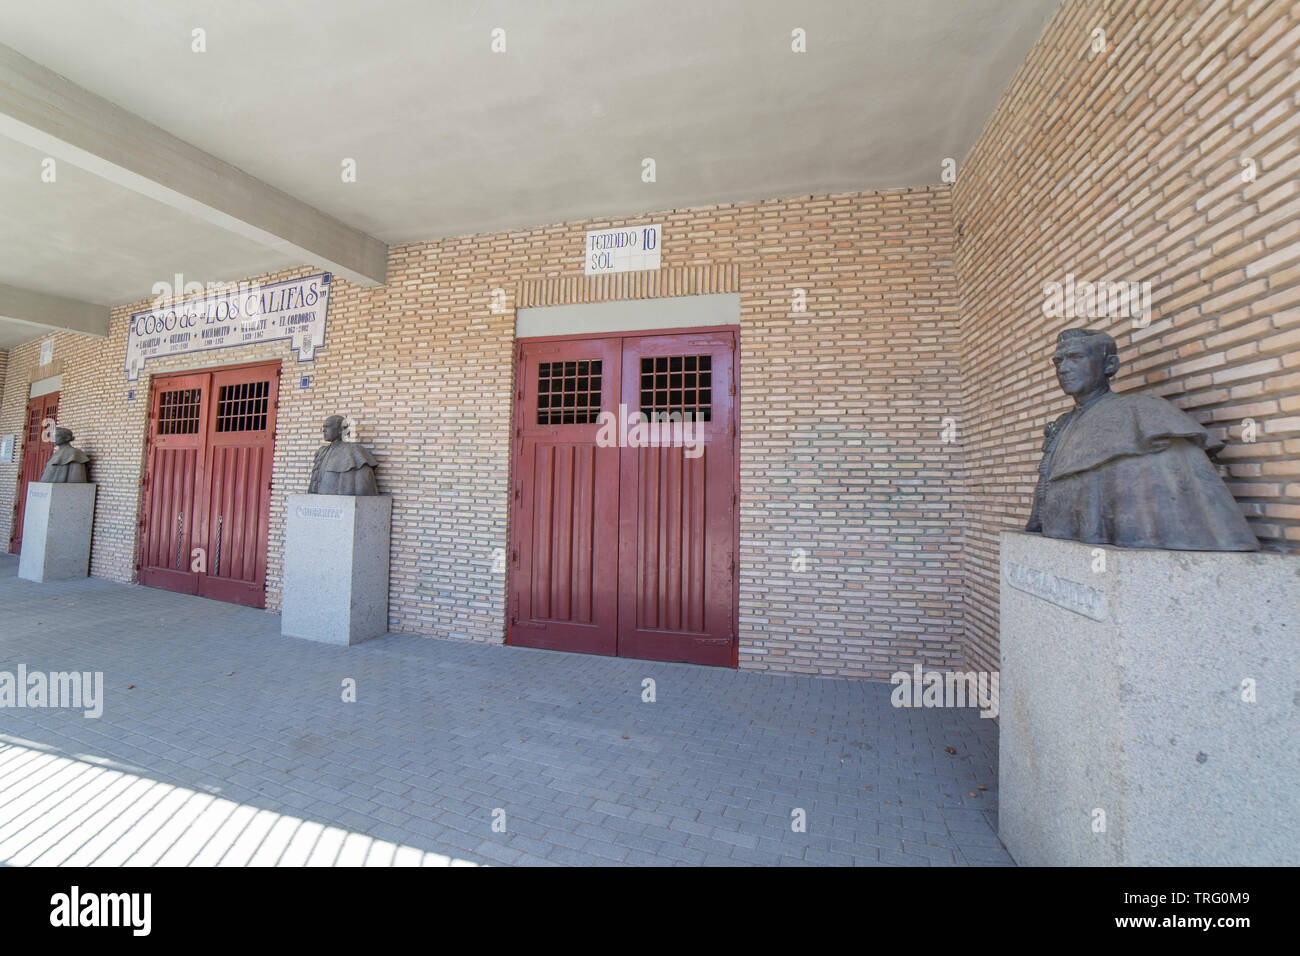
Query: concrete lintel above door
x=686 y=311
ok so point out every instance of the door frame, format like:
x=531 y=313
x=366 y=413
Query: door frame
x=140 y=517
x=516 y=431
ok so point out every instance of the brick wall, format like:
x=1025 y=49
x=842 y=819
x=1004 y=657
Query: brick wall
x=851 y=521
x=1127 y=165
x=842 y=451
x=110 y=426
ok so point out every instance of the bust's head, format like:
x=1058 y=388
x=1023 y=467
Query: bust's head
x=62 y=436
x=333 y=428
x=1085 y=360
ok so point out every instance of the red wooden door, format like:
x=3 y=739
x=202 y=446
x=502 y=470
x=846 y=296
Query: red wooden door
x=565 y=557
x=38 y=446
x=240 y=449
x=623 y=535
x=677 y=514
x=173 y=475
x=206 y=501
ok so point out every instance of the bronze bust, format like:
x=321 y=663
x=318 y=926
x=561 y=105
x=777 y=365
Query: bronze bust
x=67 y=464
x=1128 y=470
x=340 y=467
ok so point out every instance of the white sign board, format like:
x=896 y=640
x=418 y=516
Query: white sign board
x=626 y=249
x=294 y=309
x=7 y=449
x=47 y=351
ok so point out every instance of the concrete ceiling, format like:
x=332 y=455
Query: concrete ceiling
x=450 y=138
x=106 y=233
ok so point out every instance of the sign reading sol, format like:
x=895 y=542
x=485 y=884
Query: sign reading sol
x=626 y=249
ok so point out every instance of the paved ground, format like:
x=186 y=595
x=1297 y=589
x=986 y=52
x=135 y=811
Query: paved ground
x=223 y=743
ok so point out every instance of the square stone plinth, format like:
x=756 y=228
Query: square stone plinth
x=336 y=567
x=1147 y=707
x=56 y=531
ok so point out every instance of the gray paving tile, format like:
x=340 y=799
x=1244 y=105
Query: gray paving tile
x=444 y=732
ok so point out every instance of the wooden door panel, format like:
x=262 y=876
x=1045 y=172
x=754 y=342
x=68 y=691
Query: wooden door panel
x=564 y=577
x=173 y=475
x=240 y=439
x=565 y=581
x=670 y=546
x=677 y=513
x=233 y=522
x=167 y=540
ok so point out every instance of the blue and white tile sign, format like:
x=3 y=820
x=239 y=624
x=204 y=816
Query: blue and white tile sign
x=294 y=309
x=626 y=249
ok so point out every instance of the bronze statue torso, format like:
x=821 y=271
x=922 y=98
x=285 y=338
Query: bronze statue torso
x=66 y=465
x=1132 y=470
x=343 y=468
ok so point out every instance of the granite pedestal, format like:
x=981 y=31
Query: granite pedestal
x=1148 y=709
x=336 y=567
x=57 y=520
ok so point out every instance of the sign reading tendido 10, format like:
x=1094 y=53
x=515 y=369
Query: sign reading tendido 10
x=627 y=249
x=294 y=309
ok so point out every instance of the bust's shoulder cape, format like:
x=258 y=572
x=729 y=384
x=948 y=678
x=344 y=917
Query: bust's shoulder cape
x=67 y=455
x=344 y=456
x=1120 y=426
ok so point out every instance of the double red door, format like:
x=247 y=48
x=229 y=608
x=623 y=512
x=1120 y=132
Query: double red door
x=207 y=485
x=624 y=509
x=38 y=446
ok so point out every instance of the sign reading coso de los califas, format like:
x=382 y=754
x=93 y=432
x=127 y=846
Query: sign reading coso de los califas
x=294 y=309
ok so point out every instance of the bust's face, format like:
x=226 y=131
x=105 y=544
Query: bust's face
x=1080 y=366
x=333 y=430
x=62 y=436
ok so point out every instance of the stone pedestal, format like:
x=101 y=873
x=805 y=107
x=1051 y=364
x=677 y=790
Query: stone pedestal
x=1127 y=692
x=56 y=531
x=336 y=567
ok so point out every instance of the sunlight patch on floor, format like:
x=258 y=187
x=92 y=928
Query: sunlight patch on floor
x=60 y=811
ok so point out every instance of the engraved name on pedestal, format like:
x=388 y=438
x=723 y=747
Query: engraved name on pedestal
x=328 y=514
x=1063 y=592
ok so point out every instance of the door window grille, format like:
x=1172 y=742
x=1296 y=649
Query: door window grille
x=568 y=393
x=178 y=412
x=677 y=388
x=242 y=407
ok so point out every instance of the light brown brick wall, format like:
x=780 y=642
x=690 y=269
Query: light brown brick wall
x=1127 y=165
x=110 y=427
x=842 y=412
